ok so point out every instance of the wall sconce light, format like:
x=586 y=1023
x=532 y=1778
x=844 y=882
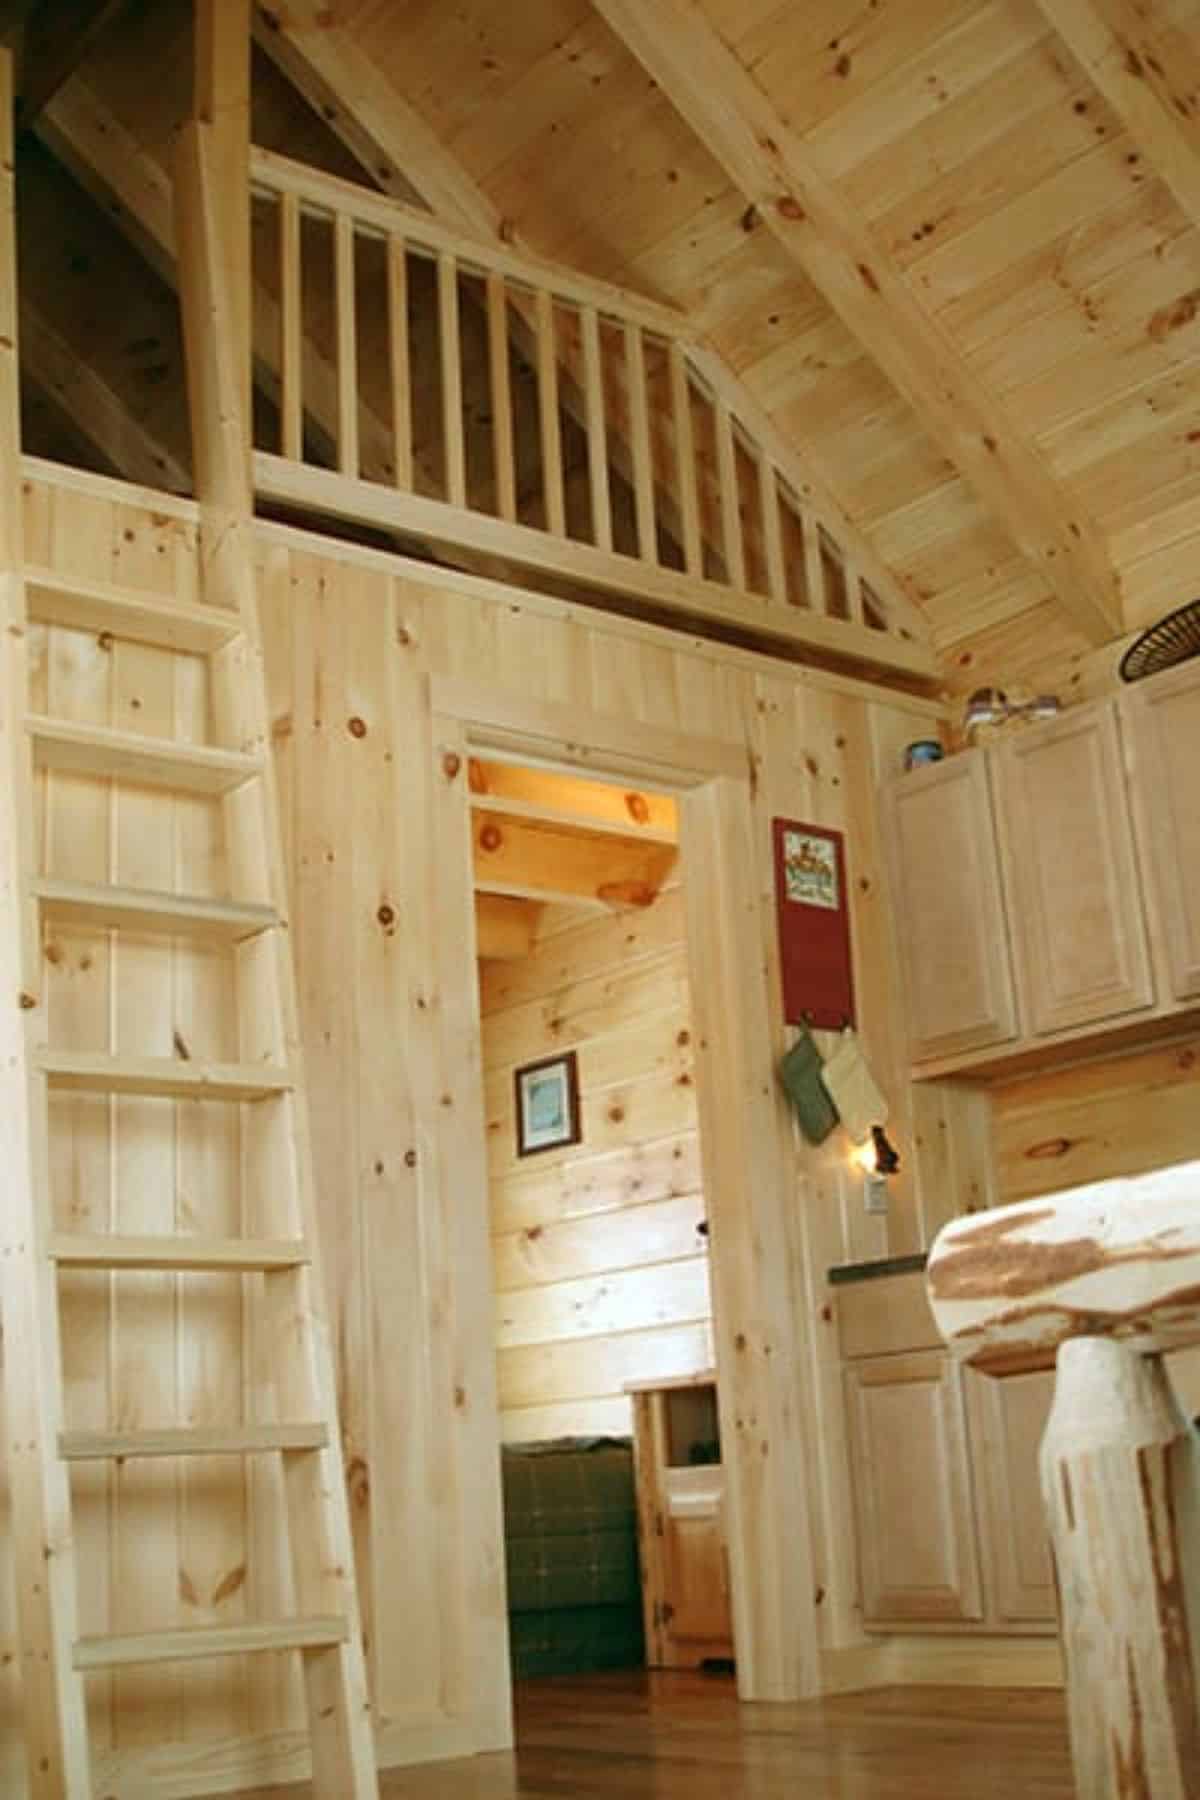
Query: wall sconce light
x=991 y=706
x=878 y=1158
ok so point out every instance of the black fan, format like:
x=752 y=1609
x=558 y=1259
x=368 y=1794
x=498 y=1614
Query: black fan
x=1171 y=641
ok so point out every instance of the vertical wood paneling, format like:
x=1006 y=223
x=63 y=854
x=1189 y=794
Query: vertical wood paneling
x=387 y=1000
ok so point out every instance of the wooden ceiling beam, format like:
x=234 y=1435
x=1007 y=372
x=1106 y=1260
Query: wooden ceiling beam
x=529 y=859
x=1113 y=42
x=505 y=928
x=95 y=411
x=57 y=39
x=717 y=97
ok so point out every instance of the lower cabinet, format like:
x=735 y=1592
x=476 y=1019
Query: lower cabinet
x=681 y=1532
x=918 y=1555
x=949 y=1525
x=1008 y=1419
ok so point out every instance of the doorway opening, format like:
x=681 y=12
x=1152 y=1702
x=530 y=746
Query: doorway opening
x=605 y=1353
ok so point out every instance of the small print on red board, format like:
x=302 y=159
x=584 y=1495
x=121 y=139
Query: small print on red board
x=814 y=925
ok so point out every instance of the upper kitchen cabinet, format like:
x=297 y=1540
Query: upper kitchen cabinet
x=945 y=876
x=1162 y=718
x=1071 y=872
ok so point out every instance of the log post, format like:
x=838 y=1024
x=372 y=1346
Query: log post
x=1099 y=1282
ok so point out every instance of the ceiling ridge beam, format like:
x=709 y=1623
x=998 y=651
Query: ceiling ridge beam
x=720 y=101
x=391 y=138
x=1111 y=42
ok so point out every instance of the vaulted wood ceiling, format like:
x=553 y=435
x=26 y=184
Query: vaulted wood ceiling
x=951 y=247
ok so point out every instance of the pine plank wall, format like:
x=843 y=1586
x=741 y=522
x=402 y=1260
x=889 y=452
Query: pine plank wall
x=601 y=1274
x=352 y=638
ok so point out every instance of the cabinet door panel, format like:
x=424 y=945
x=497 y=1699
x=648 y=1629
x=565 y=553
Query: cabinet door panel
x=1163 y=716
x=918 y=1556
x=949 y=910
x=1008 y=1421
x=1071 y=873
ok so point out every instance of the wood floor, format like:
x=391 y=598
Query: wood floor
x=685 y=1737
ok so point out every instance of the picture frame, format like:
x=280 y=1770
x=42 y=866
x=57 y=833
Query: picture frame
x=547 y=1104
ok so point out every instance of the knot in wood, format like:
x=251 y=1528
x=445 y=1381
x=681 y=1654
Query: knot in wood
x=451 y=764
x=386 y=915
x=491 y=837
x=356 y=727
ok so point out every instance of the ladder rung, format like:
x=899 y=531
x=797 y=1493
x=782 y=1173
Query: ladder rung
x=234 y=1440
x=159 y=1076
x=148 y=762
x=115 y=1250
x=85 y=605
x=180 y=915
x=208 y=1640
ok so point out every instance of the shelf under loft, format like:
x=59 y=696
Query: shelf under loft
x=95 y=750
x=92 y=1653
x=160 y=1077
x=233 y=1440
x=84 y=605
x=133 y=909
x=177 y=1254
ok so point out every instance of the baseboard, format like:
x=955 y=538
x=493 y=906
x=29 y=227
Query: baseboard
x=913 y=1661
x=230 y=1765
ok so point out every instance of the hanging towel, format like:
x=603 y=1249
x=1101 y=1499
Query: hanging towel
x=859 y=1102
x=800 y=1072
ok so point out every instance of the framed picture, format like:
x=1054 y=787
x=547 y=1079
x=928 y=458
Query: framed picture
x=548 y=1104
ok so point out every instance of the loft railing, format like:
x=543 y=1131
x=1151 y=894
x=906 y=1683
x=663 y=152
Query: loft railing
x=522 y=414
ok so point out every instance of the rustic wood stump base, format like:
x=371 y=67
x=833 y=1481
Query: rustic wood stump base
x=1099 y=1283
x=1121 y=1483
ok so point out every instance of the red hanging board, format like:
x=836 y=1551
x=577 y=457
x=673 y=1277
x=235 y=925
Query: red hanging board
x=814 y=925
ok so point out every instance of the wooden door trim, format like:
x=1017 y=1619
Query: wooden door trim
x=745 y=1149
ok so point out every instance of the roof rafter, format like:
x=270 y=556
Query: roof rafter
x=1113 y=43
x=392 y=139
x=94 y=409
x=58 y=36
x=716 y=96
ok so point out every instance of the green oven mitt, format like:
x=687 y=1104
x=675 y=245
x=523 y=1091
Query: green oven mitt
x=800 y=1072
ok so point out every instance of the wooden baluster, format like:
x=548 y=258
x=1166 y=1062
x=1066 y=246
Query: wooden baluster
x=347 y=346
x=501 y=386
x=291 y=331
x=731 y=517
x=1105 y=1280
x=639 y=437
x=814 y=566
x=401 y=367
x=854 y=604
x=768 y=492
x=685 y=462
x=597 y=430
x=452 y=411
x=553 y=492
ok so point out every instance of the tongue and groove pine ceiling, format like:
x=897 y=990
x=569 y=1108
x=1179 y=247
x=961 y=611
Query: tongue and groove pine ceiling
x=952 y=247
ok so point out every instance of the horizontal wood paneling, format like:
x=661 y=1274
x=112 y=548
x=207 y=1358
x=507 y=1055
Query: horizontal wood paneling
x=619 y=999
x=1123 y=1116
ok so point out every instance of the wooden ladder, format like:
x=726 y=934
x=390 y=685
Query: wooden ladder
x=291 y=1400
